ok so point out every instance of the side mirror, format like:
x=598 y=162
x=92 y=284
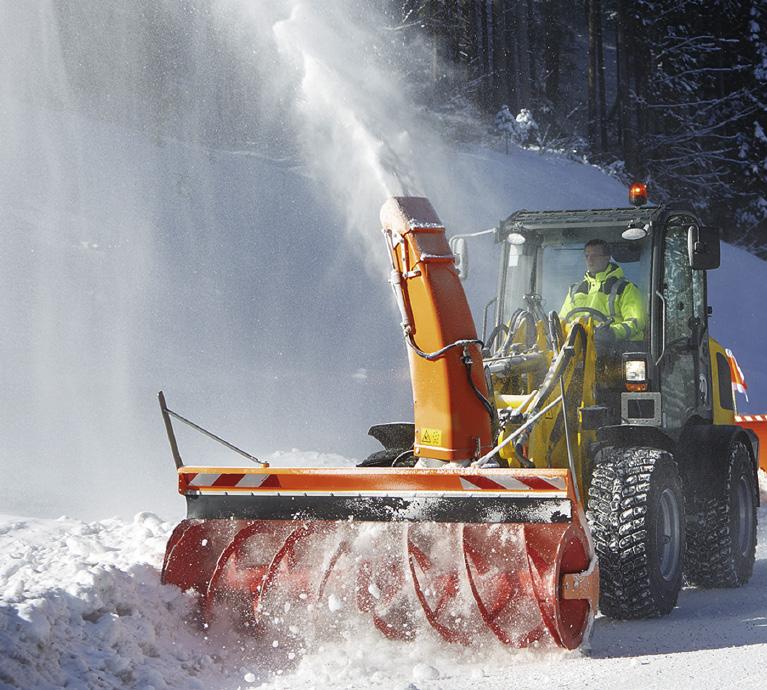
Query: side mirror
x=703 y=247
x=461 y=256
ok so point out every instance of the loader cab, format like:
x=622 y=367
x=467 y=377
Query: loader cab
x=664 y=252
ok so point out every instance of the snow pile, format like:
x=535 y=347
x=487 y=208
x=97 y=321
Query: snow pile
x=81 y=606
x=307 y=458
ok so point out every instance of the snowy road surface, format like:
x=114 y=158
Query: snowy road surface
x=81 y=606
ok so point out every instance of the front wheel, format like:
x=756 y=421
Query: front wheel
x=636 y=513
x=722 y=540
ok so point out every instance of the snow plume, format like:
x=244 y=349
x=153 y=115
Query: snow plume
x=77 y=224
x=350 y=106
x=159 y=223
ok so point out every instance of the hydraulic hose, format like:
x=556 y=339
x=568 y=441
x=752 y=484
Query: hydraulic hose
x=467 y=362
x=431 y=356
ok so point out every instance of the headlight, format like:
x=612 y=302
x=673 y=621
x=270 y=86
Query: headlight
x=635 y=370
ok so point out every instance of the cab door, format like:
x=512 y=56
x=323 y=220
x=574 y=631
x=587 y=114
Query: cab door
x=685 y=380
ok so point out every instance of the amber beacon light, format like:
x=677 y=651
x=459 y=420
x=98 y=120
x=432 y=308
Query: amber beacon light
x=638 y=194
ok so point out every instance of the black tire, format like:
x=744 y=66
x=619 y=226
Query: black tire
x=636 y=514
x=389 y=457
x=721 y=541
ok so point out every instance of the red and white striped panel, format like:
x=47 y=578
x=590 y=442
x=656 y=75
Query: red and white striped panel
x=750 y=418
x=230 y=480
x=524 y=483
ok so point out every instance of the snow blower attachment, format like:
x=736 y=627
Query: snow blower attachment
x=466 y=550
x=469 y=551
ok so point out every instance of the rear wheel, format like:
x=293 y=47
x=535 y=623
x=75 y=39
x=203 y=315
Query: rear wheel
x=636 y=513
x=721 y=542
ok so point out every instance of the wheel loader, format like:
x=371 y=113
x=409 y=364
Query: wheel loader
x=542 y=476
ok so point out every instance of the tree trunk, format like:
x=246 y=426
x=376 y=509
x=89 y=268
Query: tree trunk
x=491 y=75
x=532 y=51
x=601 y=78
x=522 y=54
x=479 y=41
x=503 y=56
x=552 y=48
x=627 y=133
x=591 y=115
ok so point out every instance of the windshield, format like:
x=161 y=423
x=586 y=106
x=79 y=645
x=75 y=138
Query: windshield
x=548 y=267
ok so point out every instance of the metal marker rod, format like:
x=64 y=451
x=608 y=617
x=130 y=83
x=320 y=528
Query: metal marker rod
x=169 y=430
x=215 y=438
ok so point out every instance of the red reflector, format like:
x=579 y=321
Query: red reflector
x=636 y=387
x=638 y=194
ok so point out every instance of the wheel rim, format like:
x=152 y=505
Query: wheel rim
x=745 y=514
x=668 y=535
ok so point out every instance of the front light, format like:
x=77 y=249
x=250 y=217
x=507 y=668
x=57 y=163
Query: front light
x=635 y=370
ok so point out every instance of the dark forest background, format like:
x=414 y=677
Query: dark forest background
x=671 y=92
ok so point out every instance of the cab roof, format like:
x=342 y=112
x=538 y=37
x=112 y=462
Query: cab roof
x=603 y=220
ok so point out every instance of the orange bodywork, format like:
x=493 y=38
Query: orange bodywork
x=451 y=422
x=758 y=424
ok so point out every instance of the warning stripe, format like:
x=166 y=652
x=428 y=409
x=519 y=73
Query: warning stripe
x=526 y=483
x=203 y=479
x=232 y=480
x=750 y=418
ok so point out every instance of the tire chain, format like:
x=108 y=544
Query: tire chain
x=618 y=504
x=710 y=561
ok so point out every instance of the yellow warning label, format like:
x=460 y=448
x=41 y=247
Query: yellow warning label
x=431 y=437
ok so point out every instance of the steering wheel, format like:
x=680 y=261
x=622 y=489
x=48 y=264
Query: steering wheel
x=593 y=313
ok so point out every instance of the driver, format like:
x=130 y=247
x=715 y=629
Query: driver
x=605 y=290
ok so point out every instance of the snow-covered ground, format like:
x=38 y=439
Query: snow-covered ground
x=81 y=606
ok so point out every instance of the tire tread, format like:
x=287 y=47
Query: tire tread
x=710 y=560
x=619 y=497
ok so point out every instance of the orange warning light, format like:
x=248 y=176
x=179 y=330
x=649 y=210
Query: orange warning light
x=638 y=194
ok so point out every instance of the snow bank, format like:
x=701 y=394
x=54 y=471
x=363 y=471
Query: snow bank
x=307 y=458
x=81 y=606
x=737 y=299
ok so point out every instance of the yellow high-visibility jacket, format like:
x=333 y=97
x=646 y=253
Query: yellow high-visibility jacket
x=611 y=294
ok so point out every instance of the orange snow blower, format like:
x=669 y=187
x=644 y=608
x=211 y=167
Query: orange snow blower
x=443 y=537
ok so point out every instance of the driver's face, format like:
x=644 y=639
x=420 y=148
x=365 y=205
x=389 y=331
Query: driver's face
x=596 y=259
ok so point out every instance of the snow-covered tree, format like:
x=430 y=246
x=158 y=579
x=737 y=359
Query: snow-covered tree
x=522 y=128
x=753 y=139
